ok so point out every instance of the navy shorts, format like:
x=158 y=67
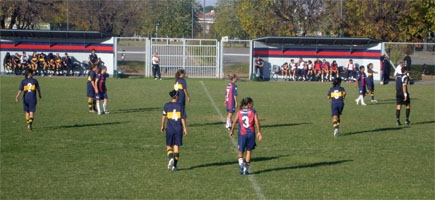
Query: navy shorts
x=29 y=106
x=337 y=108
x=101 y=96
x=371 y=87
x=246 y=142
x=174 y=138
x=90 y=92
x=362 y=90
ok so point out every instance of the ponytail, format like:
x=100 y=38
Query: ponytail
x=178 y=73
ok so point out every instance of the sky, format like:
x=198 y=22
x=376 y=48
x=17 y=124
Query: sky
x=208 y=2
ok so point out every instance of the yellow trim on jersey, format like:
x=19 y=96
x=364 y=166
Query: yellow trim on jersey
x=27 y=88
x=169 y=115
x=89 y=78
x=336 y=94
x=178 y=86
x=369 y=74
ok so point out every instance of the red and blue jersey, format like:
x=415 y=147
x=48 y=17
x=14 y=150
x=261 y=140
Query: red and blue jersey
x=230 y=93
x=101 y=84
x=361 y=79
x=29 y=87
x=246 y=121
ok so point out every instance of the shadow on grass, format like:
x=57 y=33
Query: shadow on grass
x=426 y=122
x=207 y=124
x=232 y=162
x=280 y=125
x=136 y=110
x=375 y=130
x=318 y=164
x=81 y=125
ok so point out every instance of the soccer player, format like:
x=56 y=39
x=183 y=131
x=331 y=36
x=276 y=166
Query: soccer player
x=370 y=82
x=361 y=84
x=174 y=117
x=337 y=95
x=91 y=88
x=247 y=118
x=180 y=85
x=231 y=99
x=402 y=95
x=102 y=90
x=29 y=86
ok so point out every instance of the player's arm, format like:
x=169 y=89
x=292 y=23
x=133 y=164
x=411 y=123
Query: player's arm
x=257 y=123
x=18 y=95
x=235 y=100
x=183 y=122
x=405 y=90
x=344 y=94
x=187 y=94
x=39 y=91
x=162 y=127
x=233 y=126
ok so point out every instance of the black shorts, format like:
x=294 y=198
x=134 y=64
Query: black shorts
x=400 y=99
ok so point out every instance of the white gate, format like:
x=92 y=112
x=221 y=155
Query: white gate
x=198 y=57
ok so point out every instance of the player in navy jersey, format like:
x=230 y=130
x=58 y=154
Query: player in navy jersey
x=174 y=114
x=180 y=85
x=337 y=95
x=402 y=95
x=370 y=82
x=91 y=88
x=361 y=84
x=231 y=99
x=247 y=118
x=102 y=90
x=29 y=86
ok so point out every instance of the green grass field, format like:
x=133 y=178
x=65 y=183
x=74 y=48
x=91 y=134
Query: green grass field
x=74 y=154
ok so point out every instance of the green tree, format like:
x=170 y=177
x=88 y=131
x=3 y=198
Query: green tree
x=227 y=22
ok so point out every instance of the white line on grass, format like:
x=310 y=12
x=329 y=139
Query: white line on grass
x=250 y=177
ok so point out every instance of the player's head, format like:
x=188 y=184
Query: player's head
x=370 y=65
x=173 y=94
x=361 y=68
x=247 y=102
x=29 y=73
x=336 y=82
x=179 y=73
x=404 y=70
x=232 y=77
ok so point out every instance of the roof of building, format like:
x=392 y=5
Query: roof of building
x=317 y=40
x=15 y=33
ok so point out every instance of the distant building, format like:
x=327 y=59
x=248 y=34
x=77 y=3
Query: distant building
x=207 y=20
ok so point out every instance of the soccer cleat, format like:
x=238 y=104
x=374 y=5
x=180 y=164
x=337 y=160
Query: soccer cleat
x=374 y=101
x=363 y=104
x=91 y=111
x=174 y=168
x=335 y=132
x=106 y=112
x=407 y=122
x=245 y=169
x=398 y=123
x=100 y=113
x=357 y=101
x=241 y=168
x=155 y=78
x=171 y=164
x=29 y=127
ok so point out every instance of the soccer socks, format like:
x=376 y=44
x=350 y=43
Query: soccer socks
x=397 y=115
x=90 y=104
x=335 y=123
x=176 y=157
x=105 y=107
x=408 y=111
x=98 y=108
x=170 y=153
x=372 y=95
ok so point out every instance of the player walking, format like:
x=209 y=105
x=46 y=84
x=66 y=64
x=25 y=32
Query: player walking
x=231 y=99
x=247 y=118
x=337 y=95
x=29 y=86
x=102 y=91
x=370 y=82
x=174 y=114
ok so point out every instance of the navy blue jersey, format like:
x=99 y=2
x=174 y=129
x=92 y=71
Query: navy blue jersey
x=361 y=79
x=174 y=112
x=180 y=85
x=399 y=82
x=336 y=94
x=370 y=73
x=29 y=87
